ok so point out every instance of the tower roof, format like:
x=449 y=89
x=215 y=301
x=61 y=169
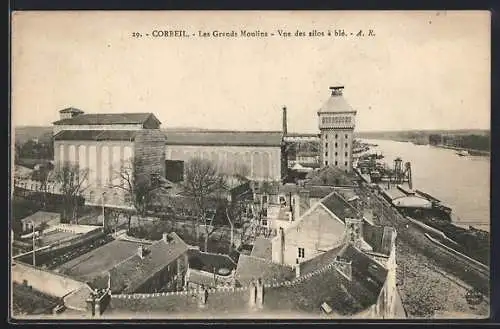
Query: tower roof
x=336 y=103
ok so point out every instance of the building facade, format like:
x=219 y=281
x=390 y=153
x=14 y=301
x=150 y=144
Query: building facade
x=106 y=145
x=256 y=155
x=336 y=123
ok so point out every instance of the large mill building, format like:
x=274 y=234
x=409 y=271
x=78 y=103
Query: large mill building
x=105 y=145
x=101 y=143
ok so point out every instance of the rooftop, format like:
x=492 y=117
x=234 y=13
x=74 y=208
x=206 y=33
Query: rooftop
x=339 y=206
x=108 y=119
x=250 y=267
x=71 y=110
x=41 y=217
x=336 y=104
x=331 y=176
x=96 y=135
x=262 y=248
x=96 y=263
x=224 y=138
x=303 y=296
x=130 y=274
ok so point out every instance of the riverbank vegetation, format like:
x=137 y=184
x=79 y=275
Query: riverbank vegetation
x=463 y=139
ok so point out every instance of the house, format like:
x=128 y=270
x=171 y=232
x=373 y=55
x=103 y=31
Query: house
x=160 y=266
x=40 y=218
x=346 y=283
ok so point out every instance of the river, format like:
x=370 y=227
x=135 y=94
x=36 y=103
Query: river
x=462 y=183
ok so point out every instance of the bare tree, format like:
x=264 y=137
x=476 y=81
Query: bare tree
x=43 y=176
x=137 y=184
x=113 y=216
x=72 y=183
x=202 y=182
x=242 y=172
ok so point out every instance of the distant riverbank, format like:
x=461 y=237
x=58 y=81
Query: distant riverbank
x=471 y=151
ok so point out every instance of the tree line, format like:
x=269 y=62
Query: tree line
x=475 y=142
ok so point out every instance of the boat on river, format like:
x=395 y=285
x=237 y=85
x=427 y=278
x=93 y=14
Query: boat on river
x=463 y=153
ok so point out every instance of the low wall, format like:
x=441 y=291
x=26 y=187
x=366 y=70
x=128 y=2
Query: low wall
x=62 y=247
x=73 y=228
x=484 y=269
x=431 y=230
x=47 y=282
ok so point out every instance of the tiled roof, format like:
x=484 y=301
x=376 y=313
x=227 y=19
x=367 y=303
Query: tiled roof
x=336 y=104
x=250 y=267
x=217 y=304
x=262 y=248
x=315 y=191
x=41 y=217
x=331 y=176
x=96 y=135
x=344 y=296
x=367 y=271
x=320 y=261
x=224 y=138
x=205 y=261
x=130 y=274
x=107 y=119
x=339 y=206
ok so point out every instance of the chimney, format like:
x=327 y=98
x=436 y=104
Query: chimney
x=337 y=90
x=165 y=237
x=140 y=251
x=354 y=231
x=278 y=248
x=296 y=207
x=285 y=124
x=344 y=267
x=253 y=294
x=259 y=300
x=305 y=200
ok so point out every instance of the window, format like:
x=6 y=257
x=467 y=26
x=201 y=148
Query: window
x=345 y=137
x=336 y=153
x=336 y=136
x=336 y=145
x=326 y=154
x=336 y=163
x=345 y=153
x=301 y=253
x=326 y=145
x=345 y=163
x=264 y=222
x=345 y=145
x=326 y=163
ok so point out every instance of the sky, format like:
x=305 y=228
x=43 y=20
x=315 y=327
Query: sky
x=421 y=70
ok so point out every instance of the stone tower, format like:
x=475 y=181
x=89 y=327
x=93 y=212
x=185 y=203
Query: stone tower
x=336 y=124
